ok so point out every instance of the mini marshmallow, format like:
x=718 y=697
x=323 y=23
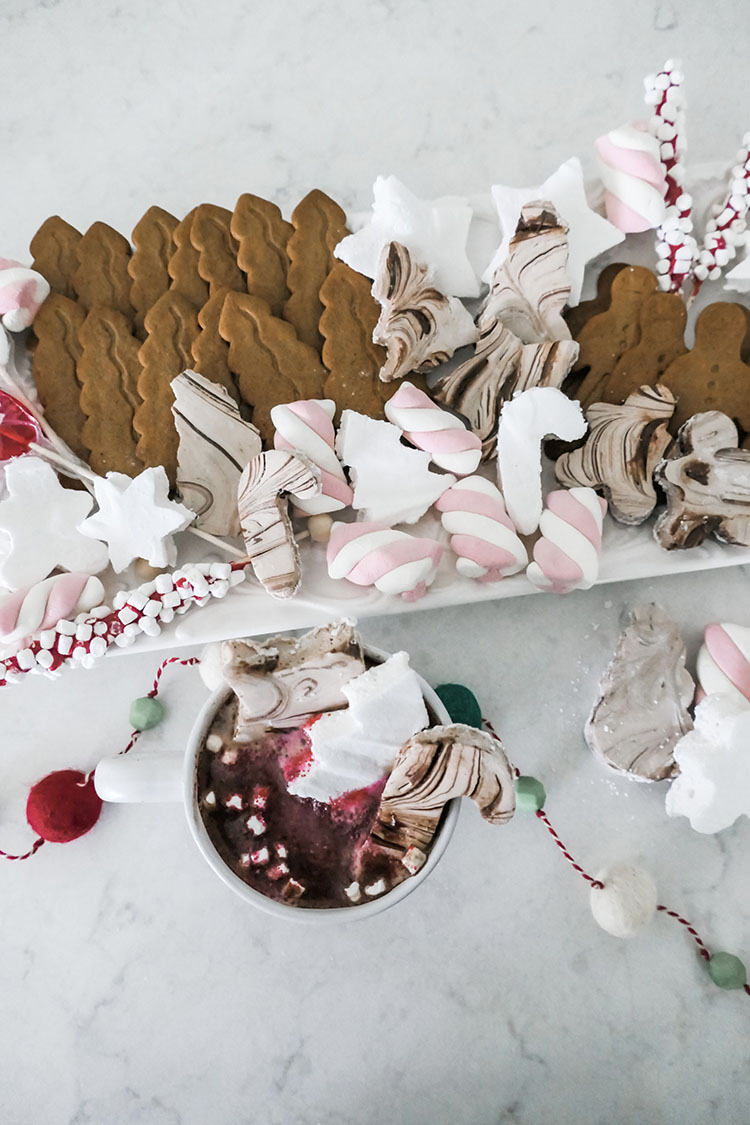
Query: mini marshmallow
x=376 y=888
x=234 y=802
x=413 y=859
x=256 y=824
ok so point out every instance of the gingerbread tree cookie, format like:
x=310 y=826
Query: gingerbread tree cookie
x=102 y=276
x=154 y=245
x=109 y=370
x=319 y=225
x=54 y=361
x=211 y=236
x=172 y=326
x=55 y=251
x=262 y=236
x=183 y=265
x=210 y=351
x=271 y=364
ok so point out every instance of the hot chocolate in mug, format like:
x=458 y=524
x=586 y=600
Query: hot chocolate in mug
x=172 y=777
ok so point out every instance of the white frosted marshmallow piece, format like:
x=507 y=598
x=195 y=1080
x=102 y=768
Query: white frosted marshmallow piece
x=392 y=483
x=627 y=902
x=712 y=788
x=354 y=748
x=435 y=232
x=525 y=421
x=210 y=668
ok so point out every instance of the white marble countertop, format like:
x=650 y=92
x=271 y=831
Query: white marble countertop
x=135 y=987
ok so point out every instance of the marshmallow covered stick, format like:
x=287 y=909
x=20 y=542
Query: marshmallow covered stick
x=525 y=421
x=371 y=554
x=482 y=533
x=22 y=291
x=567 y=556
x=633 y=178
x=306 y=427
x=427 y=426
x=42 y=605
x=724 y=662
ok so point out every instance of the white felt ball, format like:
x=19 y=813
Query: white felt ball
x=210 y=668
x=626 y=903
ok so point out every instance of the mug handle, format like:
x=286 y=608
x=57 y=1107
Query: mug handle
x=136 y=779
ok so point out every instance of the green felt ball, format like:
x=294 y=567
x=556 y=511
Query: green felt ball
x=727 y=971
x=460 y=703
x=530 y=794
x=145 y=713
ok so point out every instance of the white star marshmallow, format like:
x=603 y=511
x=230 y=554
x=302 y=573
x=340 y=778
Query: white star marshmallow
x=136 y=518
x=39 y=526
x=712 y=788
x=435 y=233
x=589 y=235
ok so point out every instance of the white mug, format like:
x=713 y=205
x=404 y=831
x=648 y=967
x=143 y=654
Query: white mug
x=160 y=777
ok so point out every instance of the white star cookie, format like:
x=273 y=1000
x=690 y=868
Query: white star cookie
x=39 y=526
x=435 y=233
x=589 y=235
x=136 y=518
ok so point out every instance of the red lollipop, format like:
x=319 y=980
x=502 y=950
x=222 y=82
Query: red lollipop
x=18 y=428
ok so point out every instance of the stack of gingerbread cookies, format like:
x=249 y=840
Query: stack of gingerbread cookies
x=254 y=303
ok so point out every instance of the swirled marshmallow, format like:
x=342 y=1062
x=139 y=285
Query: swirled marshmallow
x=307 y=427
x=724 y=662
x=22 y=291
x=633 y=178
x=371 y=554
x=427 y=426
x=482 y=533
x=567 y=555
x=42 y=605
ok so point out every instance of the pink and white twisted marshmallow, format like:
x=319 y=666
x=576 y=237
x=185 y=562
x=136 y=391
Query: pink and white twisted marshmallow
x=427 y=426
x=41 y=606
x=307 y=427
x=633 y=178
x=22 y=291
x=724 y=662
x=371 y=554
x=482 y=533
x=567 y=555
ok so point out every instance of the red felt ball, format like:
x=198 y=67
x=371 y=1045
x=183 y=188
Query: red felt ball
x=63 y=806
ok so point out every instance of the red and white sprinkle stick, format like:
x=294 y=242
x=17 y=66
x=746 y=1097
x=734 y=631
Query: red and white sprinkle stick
x=676 y=247
x=726 y=229
x=133 y=613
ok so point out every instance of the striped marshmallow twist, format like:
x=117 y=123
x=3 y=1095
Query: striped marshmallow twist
x=307 y=427
x=371 y=554
x=482 y=533
x=428 y=427
x=567 y=555
x=724 y=662
x=633 y=178
x=42 y=605
x=22 y=291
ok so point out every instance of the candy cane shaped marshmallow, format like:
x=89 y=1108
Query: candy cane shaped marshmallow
x=371 y=554
x=482 y=533
x=22 y=291
x=307 y=427
x=567 y=555
x=724 y=661
x=41 y=606
x=633 y=178
x=428 y=427
x=525 y=421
